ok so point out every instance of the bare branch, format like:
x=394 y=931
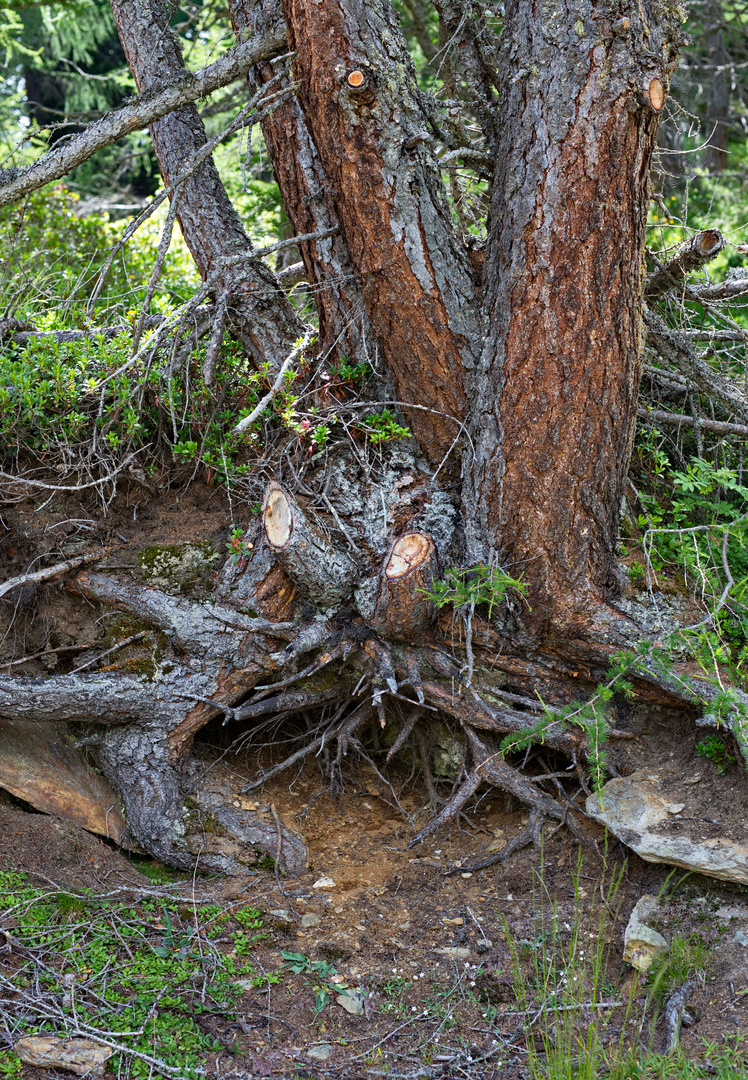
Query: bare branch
x=692 y=255
x=265 y=401
x=677 y=420
x=678 y=352
x=15 y=183
x=50 y=572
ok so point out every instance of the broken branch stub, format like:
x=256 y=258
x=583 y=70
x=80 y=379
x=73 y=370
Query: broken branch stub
x=405 y=607
x=691 y=255
x=322 y=570
x=656 y=94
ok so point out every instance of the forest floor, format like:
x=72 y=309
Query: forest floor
x=450 y=971
x=455 y=975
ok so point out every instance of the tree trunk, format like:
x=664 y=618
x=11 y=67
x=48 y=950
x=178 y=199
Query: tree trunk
x=258 y=311
x=345 y=329
x=554 y=407
x=530 y=367
x=363 y=113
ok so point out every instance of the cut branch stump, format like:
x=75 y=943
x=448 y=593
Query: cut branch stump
x=325 y=572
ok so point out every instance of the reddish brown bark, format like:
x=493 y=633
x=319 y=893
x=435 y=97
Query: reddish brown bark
x=372 y=143
x=344 y=327
x=554 y=415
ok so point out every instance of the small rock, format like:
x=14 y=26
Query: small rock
x=741 y=938
x=320 y=1053
x=641 y=943
x=352 y=1001
x=324 y=883
x=455 y=953
x=453 y=922
x=466 y=875
x=310 y=919
x=282 y=914
x=82 y=1056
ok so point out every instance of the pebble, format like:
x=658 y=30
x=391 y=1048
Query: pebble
x=741 y=938
x=352 y=1002
x=455 y=953
x=453 y=922
x=282 y=914
x=310 y=919
x=466 y=875
x=320 y=1053
x=324 y=883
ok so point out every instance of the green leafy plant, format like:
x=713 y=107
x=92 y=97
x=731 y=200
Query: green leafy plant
x=382 y=427
x=346 y=371
x=11 y=1066
x=238 y=546
x=173 y=946
x=476 y=585
x=713 y=748
x=319 y=974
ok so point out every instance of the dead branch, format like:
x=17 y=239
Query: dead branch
x=690 y=256
x=66 y=156
x=674 y=1010
x=295 y=353
x=678 y=352
x=50 y=571
x=191 y=165
x=677 y=420
x=23 y=337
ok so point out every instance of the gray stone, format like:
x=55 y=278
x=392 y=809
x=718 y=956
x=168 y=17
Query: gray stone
x=352 y=1001
x=82 y=1056
x=455 y=953
x=633 y=808
x=641 y=944
x=310 y=919
x=320 y=1053
x=741 y=938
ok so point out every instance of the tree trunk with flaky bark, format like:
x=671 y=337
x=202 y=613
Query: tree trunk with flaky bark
x=554 y=406
x=527 y=363
x=258 y=310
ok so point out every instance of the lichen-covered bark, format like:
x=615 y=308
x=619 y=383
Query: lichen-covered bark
x=259 y=312
x=553 y=414
x=372 y=143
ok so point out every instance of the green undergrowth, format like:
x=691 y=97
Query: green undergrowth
x=587 y=1017
x=146 y=976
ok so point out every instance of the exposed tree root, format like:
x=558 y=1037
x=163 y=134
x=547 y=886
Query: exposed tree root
x=336 y=673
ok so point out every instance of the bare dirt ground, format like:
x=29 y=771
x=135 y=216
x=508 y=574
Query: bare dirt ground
x=436 y=956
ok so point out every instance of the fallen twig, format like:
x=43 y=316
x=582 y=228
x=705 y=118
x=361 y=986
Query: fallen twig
x=676 y=1006
x=119 y=645
x=50 y=572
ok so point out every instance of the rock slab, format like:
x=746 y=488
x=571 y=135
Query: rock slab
x=81 y=1056
x=635 y=810
x=641 y=944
